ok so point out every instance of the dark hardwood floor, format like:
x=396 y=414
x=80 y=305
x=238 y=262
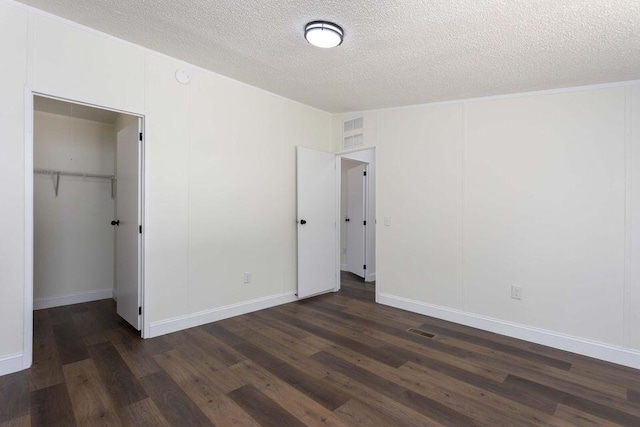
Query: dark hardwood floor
x=333 y=360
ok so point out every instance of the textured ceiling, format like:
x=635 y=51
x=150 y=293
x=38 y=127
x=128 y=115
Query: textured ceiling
x=395 y=52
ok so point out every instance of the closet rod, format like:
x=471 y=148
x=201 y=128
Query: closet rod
x=80 y=174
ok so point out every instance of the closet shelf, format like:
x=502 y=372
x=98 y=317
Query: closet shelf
x=56 y=174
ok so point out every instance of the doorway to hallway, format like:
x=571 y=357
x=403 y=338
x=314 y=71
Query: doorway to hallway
x=355 y=287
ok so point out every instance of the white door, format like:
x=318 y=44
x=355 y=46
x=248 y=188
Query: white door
x=316 y=178
x=356 y=226
x=128 y=220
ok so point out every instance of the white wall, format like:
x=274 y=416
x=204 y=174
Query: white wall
x=544 y=202
x=73 y=240
x=420 y=189
x=532 y=190
x=13 y=41
x=220 y=172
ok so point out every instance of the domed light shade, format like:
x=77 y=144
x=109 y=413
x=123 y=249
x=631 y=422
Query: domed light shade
x=323 y=34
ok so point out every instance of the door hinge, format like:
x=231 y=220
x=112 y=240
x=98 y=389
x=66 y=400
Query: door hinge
x=140 y=310
x=365 y=266
x=140 y=136
x=140 y=229
x=365 y=222
x=365 y=173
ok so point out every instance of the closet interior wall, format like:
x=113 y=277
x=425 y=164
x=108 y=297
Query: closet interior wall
x=74 y=240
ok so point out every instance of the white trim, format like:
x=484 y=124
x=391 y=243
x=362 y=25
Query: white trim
x=69 y=299
x=11 y=363
x=338 y=230
x=627 y=329
x=463 y=181
x=595 y=349
x=142 y=216
x=39 y=94
x=355 y=150
x=27 y=323
x=141 y=224
x=207 y=316
x=146 y=184
x=371 y=277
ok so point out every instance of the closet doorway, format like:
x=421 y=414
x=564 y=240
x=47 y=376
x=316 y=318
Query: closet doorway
x=87 y=206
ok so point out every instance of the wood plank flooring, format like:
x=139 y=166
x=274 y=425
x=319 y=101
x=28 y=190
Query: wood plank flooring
x=333 y=360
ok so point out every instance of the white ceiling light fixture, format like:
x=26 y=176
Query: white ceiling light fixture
x=323 y=34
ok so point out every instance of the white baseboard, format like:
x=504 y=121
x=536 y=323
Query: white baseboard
x=343 y=267
x=203 y=317
x=11 y=363
x=69 y=299
x=595 y=349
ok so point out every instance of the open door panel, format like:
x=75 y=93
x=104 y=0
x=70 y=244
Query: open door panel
x=128 y=220
x=316 y=190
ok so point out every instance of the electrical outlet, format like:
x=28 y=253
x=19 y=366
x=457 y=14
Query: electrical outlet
x=516 y=292
x=247 y=278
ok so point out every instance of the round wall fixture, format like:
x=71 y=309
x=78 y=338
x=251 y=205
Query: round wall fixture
x=323 y=34
x=183 y=76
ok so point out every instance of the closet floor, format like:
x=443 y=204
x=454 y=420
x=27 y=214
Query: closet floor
x=333 y=360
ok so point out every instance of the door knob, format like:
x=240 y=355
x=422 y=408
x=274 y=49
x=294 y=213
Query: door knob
x=303 y=222
x=116 y=223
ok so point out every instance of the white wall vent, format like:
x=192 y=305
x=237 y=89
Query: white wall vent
x=353 y=133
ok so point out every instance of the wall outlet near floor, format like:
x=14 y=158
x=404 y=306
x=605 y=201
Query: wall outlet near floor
x=516 y=292
x=246 y=278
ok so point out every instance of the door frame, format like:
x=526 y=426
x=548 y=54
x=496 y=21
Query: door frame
x=29 y=94
x=367 y=155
